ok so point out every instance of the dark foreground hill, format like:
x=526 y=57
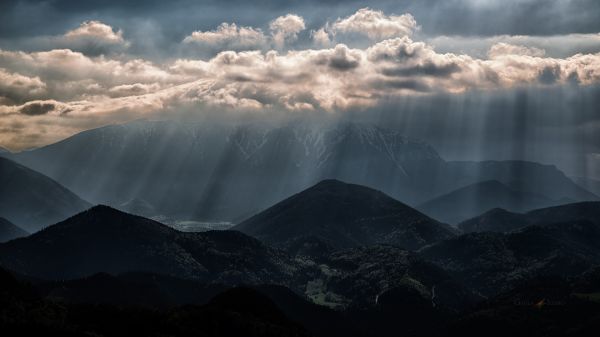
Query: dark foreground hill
x=103 y=239
x=234 y=312
x=33 y=200
x=494 y=262
x=8 y=231
x=333 y=215
x=540 y=307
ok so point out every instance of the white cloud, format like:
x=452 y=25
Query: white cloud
x=14 y=86
x=286 y=28
x=229 y=35
x=321 y=37
x=96 y=30
x=375 y=24
x=553 y=45
x=501 y=48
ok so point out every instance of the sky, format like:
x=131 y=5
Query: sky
x=479 y=79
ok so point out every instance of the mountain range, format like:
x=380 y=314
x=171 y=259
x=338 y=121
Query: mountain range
x=103 y=239
x=211 y=171
x=490 y=263
x=368 y=265
x=472 y=200
x=501 y=220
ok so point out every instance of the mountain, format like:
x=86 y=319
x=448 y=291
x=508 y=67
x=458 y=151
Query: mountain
x=495 y=220
x=523 y=176
x=8 y=231
x=33 y=200
x=500 y=220
x=103 y=239
x=491 y=263
x=475 y=199
x=591 y=185
x=211 y=171
x=580 y=211
x=341 y=215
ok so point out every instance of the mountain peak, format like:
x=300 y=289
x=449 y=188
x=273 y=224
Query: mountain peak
x=344 y=215
x=104 y=239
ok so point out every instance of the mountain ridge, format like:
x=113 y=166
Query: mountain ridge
x=103 y=239
x=32 y=199
x=344 y=215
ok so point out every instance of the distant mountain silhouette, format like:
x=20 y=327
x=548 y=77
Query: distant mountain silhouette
x=337 y=215
x=103 y=239
x=523 y=176
x=33 y=200
x=500 y=220
x=494 y=262
x=475 y=199
x=8 y=231
x=591 y=185
x=211 y=171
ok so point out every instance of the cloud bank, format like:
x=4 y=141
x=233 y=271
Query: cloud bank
x=283 y=67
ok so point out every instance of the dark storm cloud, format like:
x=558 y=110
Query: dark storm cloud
x=37 y=108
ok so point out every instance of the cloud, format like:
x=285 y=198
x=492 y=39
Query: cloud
x=16 y=87
x=554 y=45
x=502 y=48
x=332 y=79
x=135 y=89
x=70 y=75
x=375 y=24
x=286 y=28
x=229 y=36
x=36 y=108
x=320 y=37
x=96 y=30
x=93 y=38
x=63 y=86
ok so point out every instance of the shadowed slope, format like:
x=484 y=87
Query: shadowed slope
x=103 y=239
x=344 y=215
x=33 y=200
